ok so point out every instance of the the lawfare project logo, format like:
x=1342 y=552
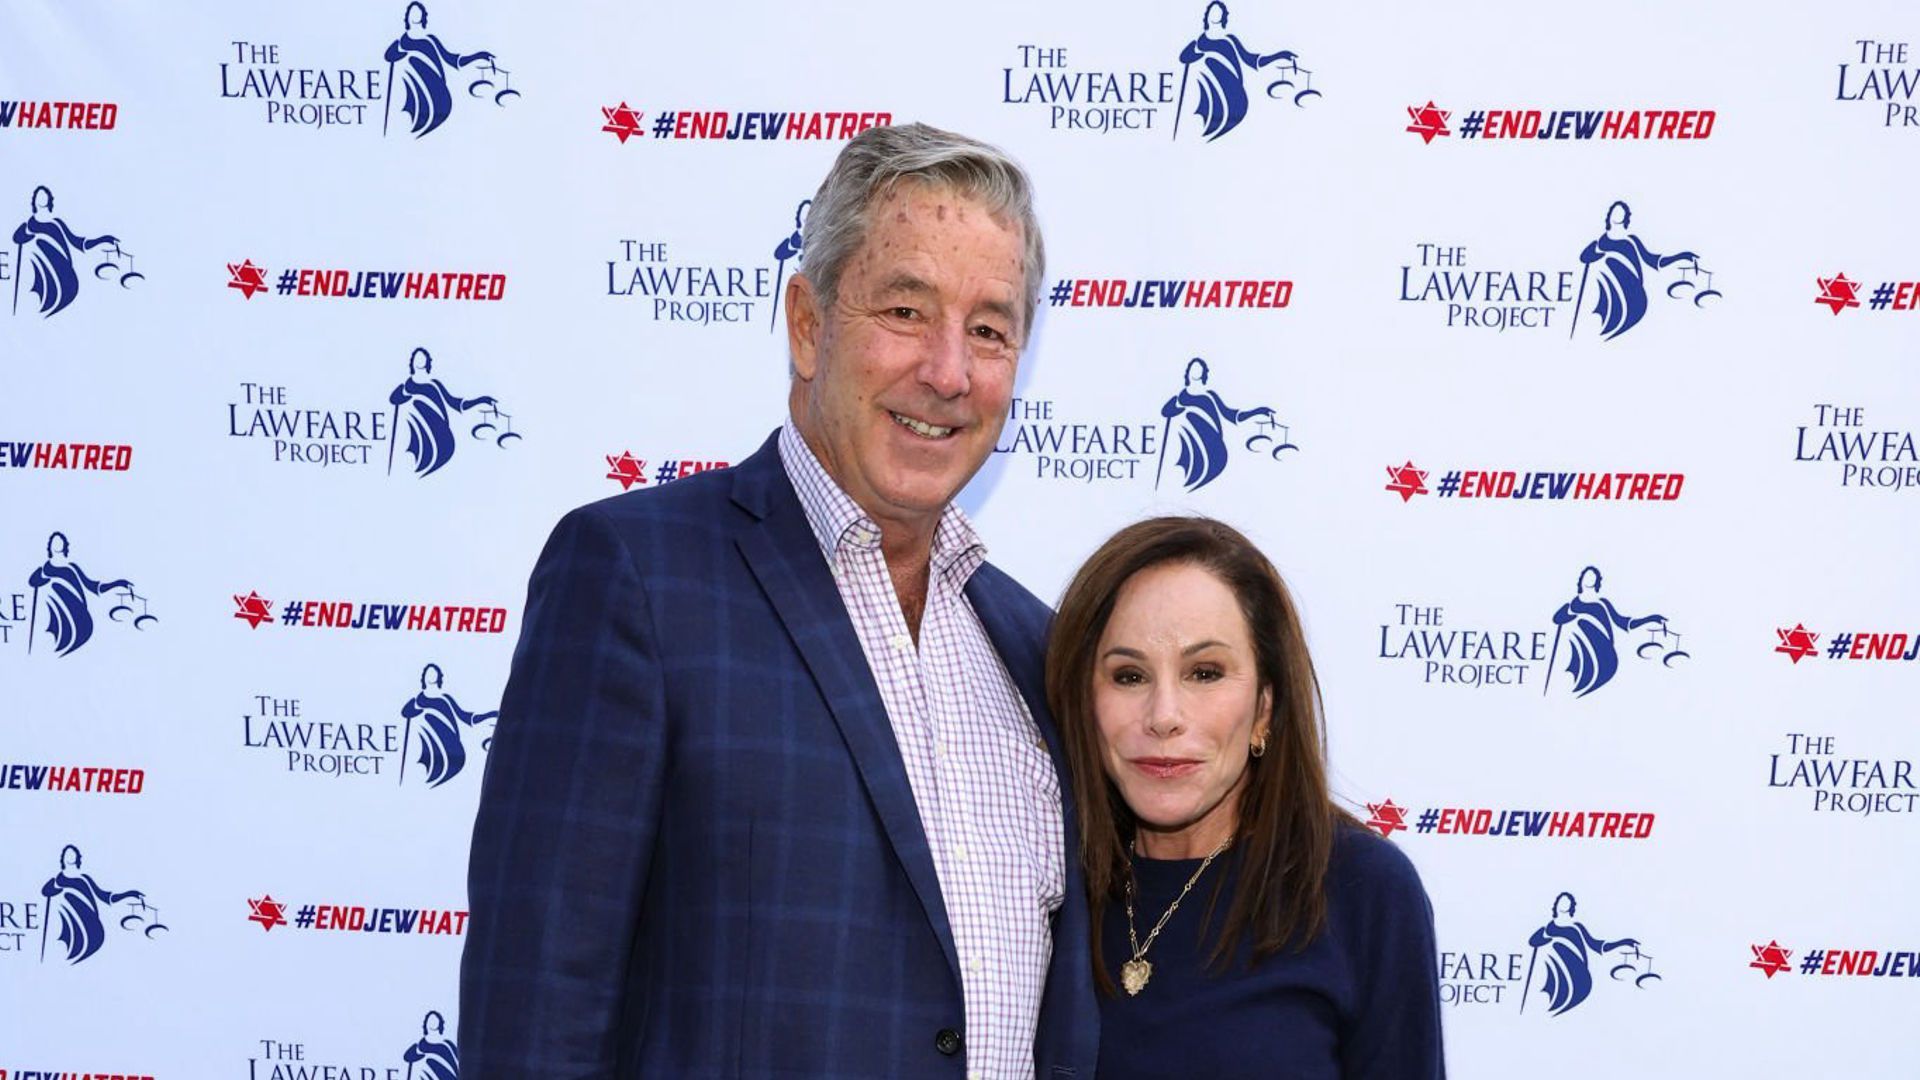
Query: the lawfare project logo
x=418 y=428
x=432 y=1056
x=63 y=607
x=1869 y=455
x=1580 y=649
x=1563 y=965
x=1613 y=283
x=1190 y=444
x=1881 y=76
x=412 y=87
x=705 y=291
x=51 y=261
x=1221 y=81
x=426 y=741
x=1832 y=781
x=80 y=916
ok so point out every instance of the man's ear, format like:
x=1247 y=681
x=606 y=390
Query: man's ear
x=803 y=326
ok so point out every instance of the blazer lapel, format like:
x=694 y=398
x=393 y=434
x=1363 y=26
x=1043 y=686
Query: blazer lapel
x=1025 y=663
x=785 y=558
x=1069 y=1030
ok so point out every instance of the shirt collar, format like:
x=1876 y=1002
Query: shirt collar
x=838 y=522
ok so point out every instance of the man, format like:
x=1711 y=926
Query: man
x=773 y=789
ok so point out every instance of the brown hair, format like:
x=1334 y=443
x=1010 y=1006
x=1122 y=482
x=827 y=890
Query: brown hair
x=1284 y=836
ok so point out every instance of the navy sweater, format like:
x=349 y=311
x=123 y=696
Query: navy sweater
x=1361 y=1002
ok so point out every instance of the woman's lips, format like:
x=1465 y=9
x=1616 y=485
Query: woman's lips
x=1165 y=768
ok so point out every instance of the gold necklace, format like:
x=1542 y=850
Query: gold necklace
x=1135 y=972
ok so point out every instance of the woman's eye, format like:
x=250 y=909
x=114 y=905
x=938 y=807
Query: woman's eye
x=1128 y=677
x=1207 y=674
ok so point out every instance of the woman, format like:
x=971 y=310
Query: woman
x=1252 y=928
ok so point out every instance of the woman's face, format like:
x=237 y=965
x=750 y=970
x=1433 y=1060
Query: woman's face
x=1177 y=703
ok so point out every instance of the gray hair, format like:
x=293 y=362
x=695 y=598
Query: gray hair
x=877 y=159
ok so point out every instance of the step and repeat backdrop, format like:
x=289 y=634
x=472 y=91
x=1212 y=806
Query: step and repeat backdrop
x=1562 y=357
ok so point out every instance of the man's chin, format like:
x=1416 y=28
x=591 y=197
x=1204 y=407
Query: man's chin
x=920 y=495
x=919 y=501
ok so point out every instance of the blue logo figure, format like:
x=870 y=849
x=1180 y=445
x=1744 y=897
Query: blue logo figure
x=1620 y=288
x=420 y=62
x=790 y=248
x=434 y=1057
x=1222 y=83
x=74 y=901
x=441 y=752
x=69 y=620
x=1568 y=949
x=426 y=407
x=1197 y=417
x=1593 y=654
x=45 y=250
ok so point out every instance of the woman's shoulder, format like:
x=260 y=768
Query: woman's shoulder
x=1369 y=872
x=1378 y=914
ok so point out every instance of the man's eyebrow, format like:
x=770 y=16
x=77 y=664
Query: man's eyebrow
x=1001 y=308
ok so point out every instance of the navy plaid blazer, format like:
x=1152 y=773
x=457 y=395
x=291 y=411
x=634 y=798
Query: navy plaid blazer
x=696 y=853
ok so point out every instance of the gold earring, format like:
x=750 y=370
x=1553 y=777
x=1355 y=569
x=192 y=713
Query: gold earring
x=1259 y=749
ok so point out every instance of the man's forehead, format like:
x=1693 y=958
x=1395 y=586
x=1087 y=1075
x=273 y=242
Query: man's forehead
x=932 y=239
x=921 y=203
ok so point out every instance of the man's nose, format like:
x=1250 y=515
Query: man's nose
x=946 y=367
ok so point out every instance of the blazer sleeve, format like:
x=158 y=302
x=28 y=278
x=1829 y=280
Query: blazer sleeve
x=569 y=809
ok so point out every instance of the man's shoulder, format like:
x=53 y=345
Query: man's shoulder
x=684 y=513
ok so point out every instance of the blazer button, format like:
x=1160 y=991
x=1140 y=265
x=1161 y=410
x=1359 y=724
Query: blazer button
x=947 y=1042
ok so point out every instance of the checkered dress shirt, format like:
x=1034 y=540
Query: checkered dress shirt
x=988 y=796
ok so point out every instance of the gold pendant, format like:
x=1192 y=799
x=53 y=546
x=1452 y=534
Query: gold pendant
x=1134 y=975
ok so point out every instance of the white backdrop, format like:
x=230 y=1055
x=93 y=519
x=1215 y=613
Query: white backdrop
x=1748 y=894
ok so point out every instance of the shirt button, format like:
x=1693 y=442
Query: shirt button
x=960 y=852
x=975 y=965
x=901 y=643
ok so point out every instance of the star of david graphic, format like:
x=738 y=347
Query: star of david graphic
x=627 y=469
x=1797 y=643
x=622 y=122
x=268 y=912
x=1428 y=122
x=1406 y=481
x=1771 y=959
x=1837 y=293
x=254 y=608
x=248 y=278
x=1386 y=818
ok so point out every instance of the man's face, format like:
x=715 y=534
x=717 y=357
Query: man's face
x=902 y=385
